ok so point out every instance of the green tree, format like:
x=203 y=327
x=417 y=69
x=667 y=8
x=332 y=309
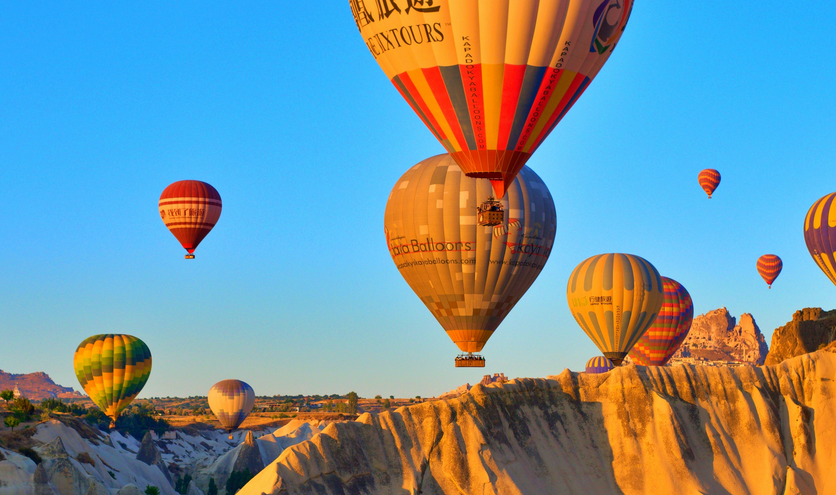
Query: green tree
x=7 y=395
x=22 y=405
x=352 y=402
x=392 y=397
x=11 y=422
x=378 y=396
x=237 y=480
x=152 y=490
x=386 y=404
x=53 y=404
x=213 y=488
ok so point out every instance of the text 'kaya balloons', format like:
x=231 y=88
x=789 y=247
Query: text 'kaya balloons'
x=820 y=235
x=469 y=276
x=709 y=179
x=615 y=298
x=769 y=267
x=231 y=401
x=112 y=369
x=599 y=364
x=661 y=341
x=190 y=209
x=491 y=78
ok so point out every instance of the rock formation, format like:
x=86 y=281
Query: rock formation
x=150 y=454
x=249 y=457
x=809 y=329
x=635 y=430
x=35 y=386
x=716 y=336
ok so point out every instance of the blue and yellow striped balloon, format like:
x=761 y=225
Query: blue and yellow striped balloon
x=615 y=298
x=599 y=364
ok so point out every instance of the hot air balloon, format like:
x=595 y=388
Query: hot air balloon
x=709 y=180
x=615 y=298
x=769 y=266
x=820 y=235
x=491 y=79
x=112 y=369
x=231 y=401
x=599 y=364
x=190 y=209
x=665 y=335
x=469 y=276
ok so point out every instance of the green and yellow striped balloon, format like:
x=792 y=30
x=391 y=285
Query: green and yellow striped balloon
x=112 y=369
x=615 y=298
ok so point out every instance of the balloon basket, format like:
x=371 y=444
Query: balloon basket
x=230 y=436
x=490 y=213
x=470 y=361
x=189 y=256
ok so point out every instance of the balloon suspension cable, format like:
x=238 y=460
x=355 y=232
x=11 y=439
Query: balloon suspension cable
x=470 y=360
x=490 y=213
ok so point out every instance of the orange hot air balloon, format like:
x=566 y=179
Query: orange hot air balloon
x=709 y=180
x=491 y=78
x=769 y=266
x=190 y=208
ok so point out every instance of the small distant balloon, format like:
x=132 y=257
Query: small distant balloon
x=112 y=369
x=769 y=266
x=599 y=364
x=231 y=401
x=820 y=235
x=663 y=338
x=190 y=209
x=709 y=180
x=615 y=298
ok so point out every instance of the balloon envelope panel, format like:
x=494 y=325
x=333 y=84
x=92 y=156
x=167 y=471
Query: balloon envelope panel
x=190 y=209
x=469 y=276
x=665 y=335
x=231 y=401
x=112 y=369
x=615 y=298
x=491 y=78
x=820 y=235
x=599 y=364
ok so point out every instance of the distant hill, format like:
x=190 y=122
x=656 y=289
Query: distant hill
x=36 y=386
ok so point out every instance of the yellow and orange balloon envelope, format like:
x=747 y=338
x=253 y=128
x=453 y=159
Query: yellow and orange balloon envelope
x=769 y=267
x=820 y=235
x=709 y=180
x=615 y=298
x=491 y=78
x=661 y=341
x=112 y=369
x=190 y=209
x=469 y=276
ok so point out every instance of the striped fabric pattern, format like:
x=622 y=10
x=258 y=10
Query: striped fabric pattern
x=709 y=180
x=468 y=278
x=599 y=364
x=190 y=209
x=769 y=266
x=820 y=234
x=615 y=298
x=112 y=369
x=231 y=401
x=491 y=78
x=665 y=335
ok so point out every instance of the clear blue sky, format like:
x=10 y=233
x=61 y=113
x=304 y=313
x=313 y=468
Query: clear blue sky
x=280 y=107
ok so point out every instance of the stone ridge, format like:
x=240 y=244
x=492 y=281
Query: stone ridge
x=36 y=386
x=809 y=329
x=716 y=336
x=635 y=430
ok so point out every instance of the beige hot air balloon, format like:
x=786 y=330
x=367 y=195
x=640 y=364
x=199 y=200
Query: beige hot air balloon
x=469 y=276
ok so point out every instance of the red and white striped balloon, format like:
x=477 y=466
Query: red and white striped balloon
x=190 y=209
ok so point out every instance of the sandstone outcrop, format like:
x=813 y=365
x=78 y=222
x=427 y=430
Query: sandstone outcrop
x=809 y=329
x=150 y=454
x=635 y=430
x=717 y=336
x=35 y=386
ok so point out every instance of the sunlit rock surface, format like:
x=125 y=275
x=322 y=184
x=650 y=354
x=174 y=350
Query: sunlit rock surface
x=636 y=430
x=717 y=336
x=809 y=329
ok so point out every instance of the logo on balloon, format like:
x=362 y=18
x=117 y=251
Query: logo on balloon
x=386 y=8
x=607 y=18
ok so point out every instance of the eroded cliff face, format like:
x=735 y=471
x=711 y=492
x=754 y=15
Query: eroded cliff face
x=636 y=430
x=717 y=336
x=809 y=329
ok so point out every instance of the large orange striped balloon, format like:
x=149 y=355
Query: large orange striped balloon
x=661 y=341
x=190 y=208
x=491 y=78
x=709 y=180
x=769 y=266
